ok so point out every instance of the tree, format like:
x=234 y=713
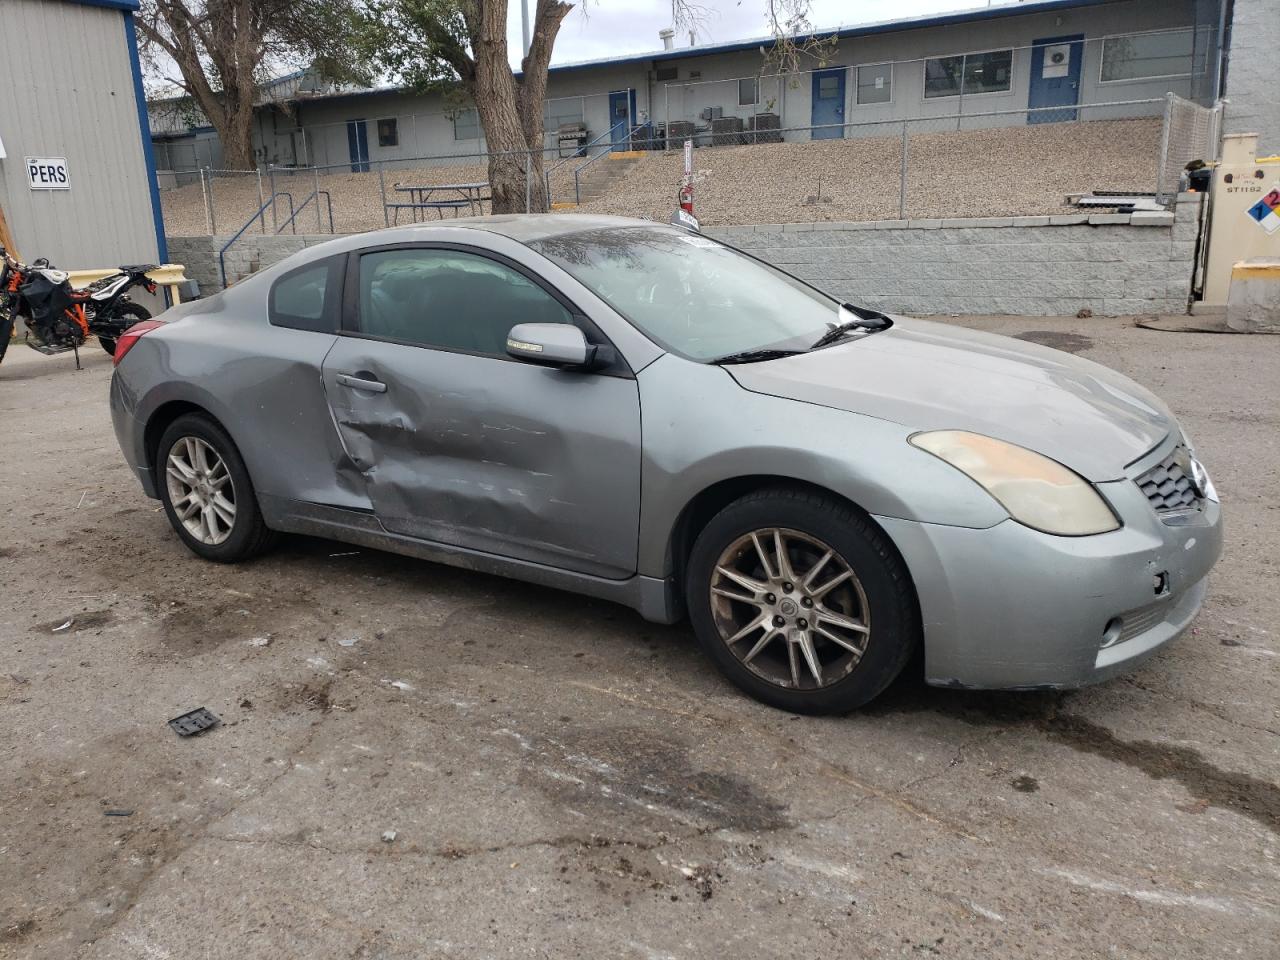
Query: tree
x=461 y=46
x=224 y=49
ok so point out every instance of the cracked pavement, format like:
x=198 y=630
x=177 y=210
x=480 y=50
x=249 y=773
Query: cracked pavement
x=564 y=779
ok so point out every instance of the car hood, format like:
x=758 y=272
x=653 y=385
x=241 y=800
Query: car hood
x=930 y=376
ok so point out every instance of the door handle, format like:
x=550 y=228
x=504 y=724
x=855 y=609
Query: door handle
x=357 y=383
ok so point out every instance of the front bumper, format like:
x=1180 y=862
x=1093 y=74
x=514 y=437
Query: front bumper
x=1012 y=608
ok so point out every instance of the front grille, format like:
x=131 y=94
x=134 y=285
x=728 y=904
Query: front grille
x=1141 y=620
x=1167 y=486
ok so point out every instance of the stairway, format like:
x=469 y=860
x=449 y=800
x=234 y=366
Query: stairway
x=603 y=175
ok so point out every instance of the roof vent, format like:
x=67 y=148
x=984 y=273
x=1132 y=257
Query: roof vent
x=667 y=35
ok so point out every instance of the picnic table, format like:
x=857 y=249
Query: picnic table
x=439 y=197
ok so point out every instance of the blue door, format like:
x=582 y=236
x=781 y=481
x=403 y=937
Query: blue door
x=828 y=105
x=358 y=145
x=620 y=118
x=1055 y=78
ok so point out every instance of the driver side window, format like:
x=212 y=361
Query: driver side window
x=449 y=299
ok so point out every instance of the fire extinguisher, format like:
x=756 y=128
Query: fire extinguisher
x=686 y=197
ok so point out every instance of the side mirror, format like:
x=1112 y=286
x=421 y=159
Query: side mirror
x=550 y=344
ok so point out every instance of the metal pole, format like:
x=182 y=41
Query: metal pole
x=964 y=65
x=666 y=119
x=261 y=201
x=382 y=188
x=1164 y=146
x=528 y=182
x=271 y=180
x=524 y=24
x=213 y=212
x=316 y=195
x=902 y=188
x=204 y=192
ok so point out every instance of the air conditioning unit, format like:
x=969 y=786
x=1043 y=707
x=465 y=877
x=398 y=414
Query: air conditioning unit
x=712 y=113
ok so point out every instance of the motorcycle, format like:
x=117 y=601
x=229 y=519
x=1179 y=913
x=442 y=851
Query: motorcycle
x=59 y=318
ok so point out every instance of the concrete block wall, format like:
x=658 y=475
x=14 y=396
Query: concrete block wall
x=251 y=253
x=1111 y=264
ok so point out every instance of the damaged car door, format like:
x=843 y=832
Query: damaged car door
x=457 y=443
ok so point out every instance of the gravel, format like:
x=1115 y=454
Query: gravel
x=1007 y=171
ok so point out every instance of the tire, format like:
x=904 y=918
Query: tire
x=872 y=608
x=6 y=331
x=135 y=313
x=196 y=439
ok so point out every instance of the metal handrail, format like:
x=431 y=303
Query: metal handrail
x=262 y=210
x=313 y=195
x=585 y=148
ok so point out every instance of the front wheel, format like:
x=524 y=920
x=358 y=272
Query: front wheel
x=207 y=493
x=128 y=314
x=801 y=601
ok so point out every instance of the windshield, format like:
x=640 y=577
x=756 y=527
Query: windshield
x=692 y=295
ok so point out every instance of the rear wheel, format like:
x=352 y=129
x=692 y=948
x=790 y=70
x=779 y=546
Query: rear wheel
x=206 y=491
x=801 y=601
x=6 y=329
x=129 y=313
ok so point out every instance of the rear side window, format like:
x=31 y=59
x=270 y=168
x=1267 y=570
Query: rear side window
x=308 y=298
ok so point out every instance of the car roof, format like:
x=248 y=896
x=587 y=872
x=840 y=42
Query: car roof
x=522 y=227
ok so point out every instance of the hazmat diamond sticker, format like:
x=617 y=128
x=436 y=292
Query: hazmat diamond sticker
x=1266 y=212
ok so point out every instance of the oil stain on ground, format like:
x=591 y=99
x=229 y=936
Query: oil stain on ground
x=1068 y=342
x=631 y=769
x=1241 y=793
x=1247 y=795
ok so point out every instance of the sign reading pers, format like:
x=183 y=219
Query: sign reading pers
x=48 y=173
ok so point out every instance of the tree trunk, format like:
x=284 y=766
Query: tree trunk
x=237 y=140
x=508 y=151
x=510 y=111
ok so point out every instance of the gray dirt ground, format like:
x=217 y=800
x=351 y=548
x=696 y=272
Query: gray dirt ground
x=566 y=780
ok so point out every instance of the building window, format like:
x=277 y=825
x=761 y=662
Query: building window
x=1144 y=56
x=466 y=125
x=748 y=92
x=556 y=113
x=875 y=83
x=388 y=135
x=990 y=72
x=665 y=74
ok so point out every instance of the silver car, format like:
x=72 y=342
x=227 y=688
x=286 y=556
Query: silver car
x=638 y=412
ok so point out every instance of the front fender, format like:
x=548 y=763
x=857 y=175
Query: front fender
x=701 y=428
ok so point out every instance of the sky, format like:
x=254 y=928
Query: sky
x=614 y=28
x=611 y=28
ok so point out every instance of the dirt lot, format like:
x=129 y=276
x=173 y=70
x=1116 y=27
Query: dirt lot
x=566 y=780
x=1010 y=171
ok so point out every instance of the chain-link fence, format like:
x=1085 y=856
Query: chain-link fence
x=993 y=164
x=1190 y=132
x=988 y=164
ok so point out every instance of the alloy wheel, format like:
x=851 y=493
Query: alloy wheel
x=790 y=608
x=201 y=491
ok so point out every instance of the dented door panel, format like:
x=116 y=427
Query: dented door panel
x=522 y=461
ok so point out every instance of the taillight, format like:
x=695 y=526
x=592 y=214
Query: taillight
x=126 y=340
x=150 y=286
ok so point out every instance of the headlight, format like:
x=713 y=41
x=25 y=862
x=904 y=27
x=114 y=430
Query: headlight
x=1036 y=491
